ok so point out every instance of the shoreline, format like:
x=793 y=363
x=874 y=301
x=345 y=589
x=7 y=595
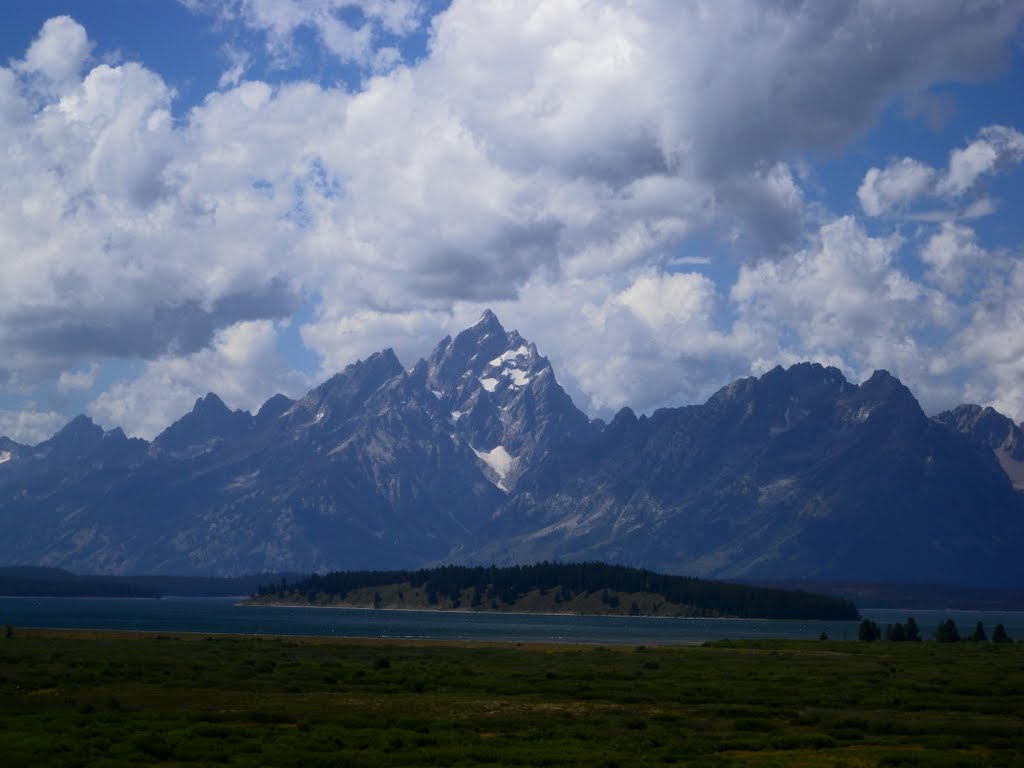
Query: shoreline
x=370 y=608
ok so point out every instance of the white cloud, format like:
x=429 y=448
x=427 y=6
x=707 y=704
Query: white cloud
x=543 y=158
x=30 y=426
x=73 y=381
x=953 y=256
x=996 y=145
x=346 y=28
x=239 y=61
x=242 y=366
x=907 y=181
x=58 y=53
x=344 y=337
x=846 y=295
x=903 y=181
x=991 y=345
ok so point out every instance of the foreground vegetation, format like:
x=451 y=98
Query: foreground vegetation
x=108 y=699
x=582 y=588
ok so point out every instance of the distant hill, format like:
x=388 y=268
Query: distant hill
x=31 y=581
x=477 y=455
x=591 y=588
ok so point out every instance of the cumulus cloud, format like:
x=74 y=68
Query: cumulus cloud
x=242 y=366
x=72 y=381
x=901 y=182
x=906 y=181
x=953 y=257
x=845 y=293
x=991 y=346
x=544 y=158
x=29 y=425
x=996 y=145
x=346 y=28
x=58 y=53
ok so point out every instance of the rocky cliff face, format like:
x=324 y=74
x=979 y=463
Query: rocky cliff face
x=503 y=400
x=476 y=454
x=990 y=430
x=799 y=471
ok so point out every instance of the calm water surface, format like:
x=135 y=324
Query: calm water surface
x=179 y=614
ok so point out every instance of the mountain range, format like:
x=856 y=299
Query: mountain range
x=477 y=455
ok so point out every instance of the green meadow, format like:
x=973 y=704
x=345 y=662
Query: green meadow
x=75 y=698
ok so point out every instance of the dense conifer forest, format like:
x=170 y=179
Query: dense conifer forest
x=454 y=586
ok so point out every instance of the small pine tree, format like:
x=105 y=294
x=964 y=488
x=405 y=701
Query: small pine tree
x=911 y=631
x=979 y=636
x=947 y=632
x=895 y=633
x=868 y=631
x=999 y=635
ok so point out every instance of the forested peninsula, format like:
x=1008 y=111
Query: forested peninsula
x=571 y=588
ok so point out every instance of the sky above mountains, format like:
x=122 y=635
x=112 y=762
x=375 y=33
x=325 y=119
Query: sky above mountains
x=244 y=196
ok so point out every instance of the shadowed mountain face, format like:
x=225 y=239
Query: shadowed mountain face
x=990 y=430
x=476 y=454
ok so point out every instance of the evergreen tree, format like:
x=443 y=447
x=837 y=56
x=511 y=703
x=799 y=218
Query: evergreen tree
x=999 y=635
x=947 y=632
x=895 y=633
x=979 y=635
x=911 y=630
x=868 y=630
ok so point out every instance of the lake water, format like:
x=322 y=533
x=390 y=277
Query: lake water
x=224 y=615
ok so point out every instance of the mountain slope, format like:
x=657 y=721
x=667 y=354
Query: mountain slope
x=799 y=471
x=503 y=399
x=990 y=430
x=477 y=454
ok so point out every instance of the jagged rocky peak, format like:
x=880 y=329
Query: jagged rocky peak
x=338 y=398
x=77 y=439
x=79 y=434
x=469 y=355
x=209 y=421
x=502 y=398
x=80 y=428
x=273 y=408
x=780 y=399
x=987 y=427
x=883 y=384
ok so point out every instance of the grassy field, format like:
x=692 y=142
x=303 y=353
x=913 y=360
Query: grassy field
x=99 y=699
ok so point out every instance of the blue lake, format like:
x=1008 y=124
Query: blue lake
x=225 y=615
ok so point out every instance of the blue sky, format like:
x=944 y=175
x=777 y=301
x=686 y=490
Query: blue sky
x=244 y=196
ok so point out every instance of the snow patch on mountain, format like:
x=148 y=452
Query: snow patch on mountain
x=489 y=384
x=509 y=356
x=5 y=456
x=519 y=378
x=501 y=461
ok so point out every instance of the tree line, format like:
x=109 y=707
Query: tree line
x=509 y=584
x=946 y=632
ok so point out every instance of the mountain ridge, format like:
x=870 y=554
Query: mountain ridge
x=476 y=454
